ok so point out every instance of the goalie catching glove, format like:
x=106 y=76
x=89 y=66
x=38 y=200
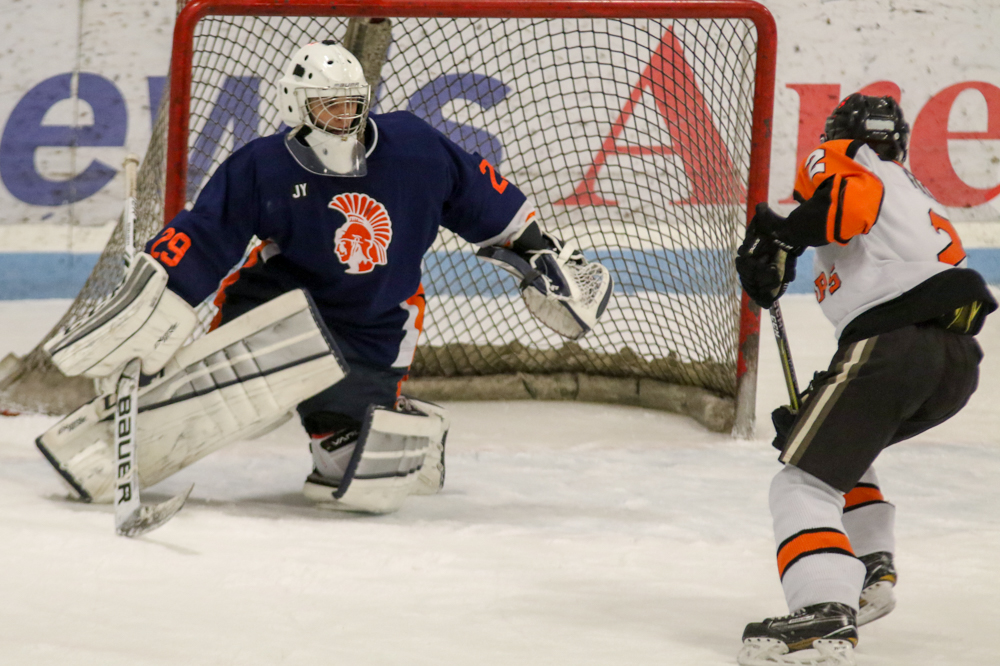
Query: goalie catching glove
x=765 y=264
x=560 y=287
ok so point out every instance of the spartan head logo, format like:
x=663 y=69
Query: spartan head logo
x=362 y=241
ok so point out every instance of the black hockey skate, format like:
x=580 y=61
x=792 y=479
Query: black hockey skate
x=877 y=597
x=819 y=635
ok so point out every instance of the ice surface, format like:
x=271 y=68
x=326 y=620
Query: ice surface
x=566 y=534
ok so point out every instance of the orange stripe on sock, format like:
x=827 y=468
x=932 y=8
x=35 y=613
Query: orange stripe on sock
x=813 y=541
x=862 y=495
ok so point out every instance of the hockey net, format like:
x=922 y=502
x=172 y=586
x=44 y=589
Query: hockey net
x=641 y=136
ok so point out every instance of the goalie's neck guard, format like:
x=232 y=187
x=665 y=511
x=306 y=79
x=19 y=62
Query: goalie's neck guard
x=328 y=155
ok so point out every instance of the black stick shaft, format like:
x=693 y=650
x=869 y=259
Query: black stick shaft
x=785 y=354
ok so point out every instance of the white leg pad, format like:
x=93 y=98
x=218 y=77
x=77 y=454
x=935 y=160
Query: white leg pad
x=431 y=478
x=228 y=385
x=385 y=466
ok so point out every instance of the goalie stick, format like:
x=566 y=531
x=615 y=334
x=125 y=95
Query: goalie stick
x=132 y=519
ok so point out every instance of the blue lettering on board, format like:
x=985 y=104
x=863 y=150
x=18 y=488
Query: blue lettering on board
x=25 y=133
x=482 y=90
x=238 y=104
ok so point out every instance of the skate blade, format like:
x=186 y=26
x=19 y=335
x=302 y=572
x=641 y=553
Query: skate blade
x=877 y=601
x=150 y=516
x=771 y=652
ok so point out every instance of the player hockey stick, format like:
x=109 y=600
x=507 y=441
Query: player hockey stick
x=133 y=519
x=785 y=354
x=781 y=337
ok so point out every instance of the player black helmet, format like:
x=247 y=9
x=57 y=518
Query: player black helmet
x=878 y=121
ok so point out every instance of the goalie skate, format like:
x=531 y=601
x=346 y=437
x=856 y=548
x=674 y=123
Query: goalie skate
x=877 y=597
x=819 y=635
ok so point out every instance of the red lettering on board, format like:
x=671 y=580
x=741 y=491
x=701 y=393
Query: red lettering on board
x=695 y=140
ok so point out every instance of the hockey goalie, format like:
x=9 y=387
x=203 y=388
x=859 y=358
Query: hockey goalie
x=324 y=314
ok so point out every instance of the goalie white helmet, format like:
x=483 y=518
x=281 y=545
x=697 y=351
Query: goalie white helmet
x=324 y=97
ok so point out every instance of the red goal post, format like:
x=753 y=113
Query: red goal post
x=641 y=129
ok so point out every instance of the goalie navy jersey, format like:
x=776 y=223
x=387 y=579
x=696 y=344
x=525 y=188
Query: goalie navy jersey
x=356 y=244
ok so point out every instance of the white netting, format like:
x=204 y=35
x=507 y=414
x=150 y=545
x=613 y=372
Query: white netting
x=633 y=137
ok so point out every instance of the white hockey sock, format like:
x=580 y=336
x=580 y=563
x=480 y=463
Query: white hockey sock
x=868 y=518
x=815 y=559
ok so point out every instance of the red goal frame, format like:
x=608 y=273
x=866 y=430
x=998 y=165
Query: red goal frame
x=761 y=123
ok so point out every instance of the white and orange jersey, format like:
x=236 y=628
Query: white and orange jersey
x=885 y=233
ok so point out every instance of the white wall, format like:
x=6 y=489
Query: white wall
x=123 y=42
x=923 y=47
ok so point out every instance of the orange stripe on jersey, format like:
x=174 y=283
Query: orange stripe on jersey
x=230 y=280
x=420 y=301
x=856 y=195
x=862 y=494
x=811 y=542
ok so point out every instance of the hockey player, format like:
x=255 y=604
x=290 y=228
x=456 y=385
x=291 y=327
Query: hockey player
x=346 y=204
x=890 y=274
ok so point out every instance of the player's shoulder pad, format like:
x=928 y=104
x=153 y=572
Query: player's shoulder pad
x=839 y=147
x=839 y=157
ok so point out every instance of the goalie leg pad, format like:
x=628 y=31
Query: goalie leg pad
x=226 y=386
x=141 y=319
x=431 y=478
x=384 y=466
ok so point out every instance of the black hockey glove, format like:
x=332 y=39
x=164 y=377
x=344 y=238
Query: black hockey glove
x=765 y=265
x=783 y=419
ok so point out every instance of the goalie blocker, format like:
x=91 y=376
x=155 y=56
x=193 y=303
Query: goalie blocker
x=140 y=319
x=234 y=383
x=560 y=287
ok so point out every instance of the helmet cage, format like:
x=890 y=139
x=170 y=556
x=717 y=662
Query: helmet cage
x=877 y=121
x=339 y=110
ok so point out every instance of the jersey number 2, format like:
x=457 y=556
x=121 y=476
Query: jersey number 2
x=499 y=187
x=953 y=253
